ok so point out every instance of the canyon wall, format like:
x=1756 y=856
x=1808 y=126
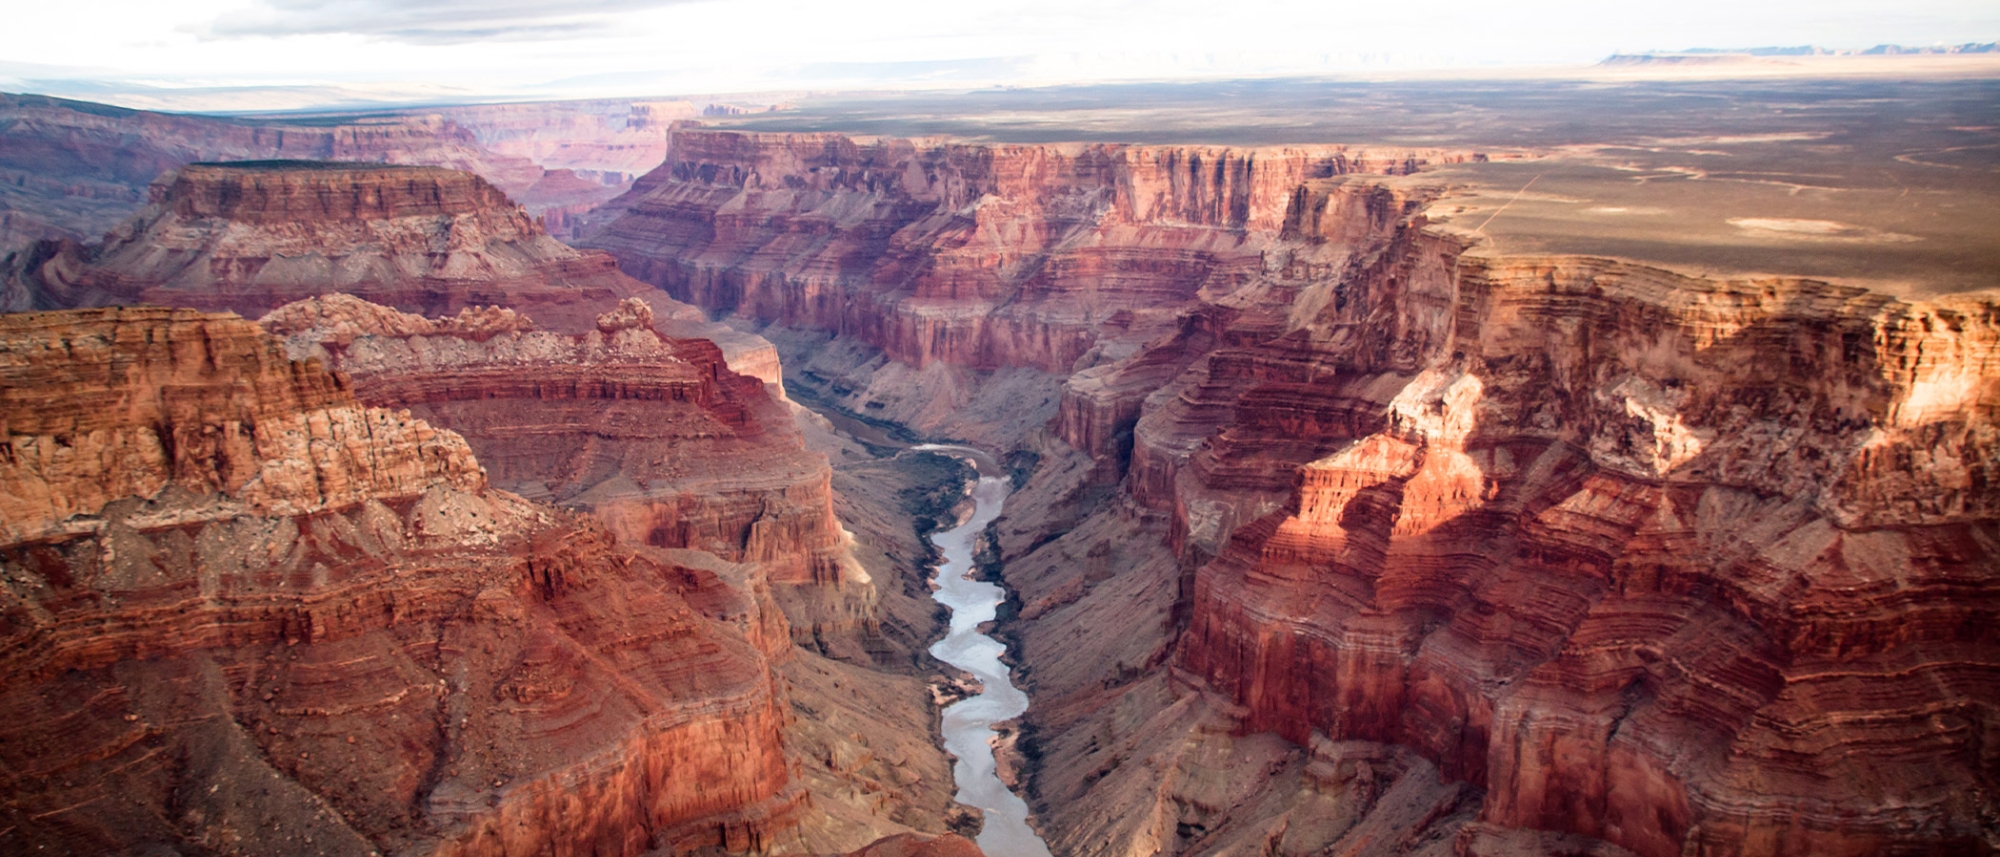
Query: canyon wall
x=656 y=436
x=695 y=520
x=253 y=236
x=1667 y=562
x=978 y=256
x=264 y=618
x=1651 y=561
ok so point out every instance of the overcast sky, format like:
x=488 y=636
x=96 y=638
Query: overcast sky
x=451 y=49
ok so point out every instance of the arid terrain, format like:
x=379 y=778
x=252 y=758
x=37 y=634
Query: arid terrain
x=1601 y=465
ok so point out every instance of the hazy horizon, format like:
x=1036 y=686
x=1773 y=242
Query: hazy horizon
x=223 y=55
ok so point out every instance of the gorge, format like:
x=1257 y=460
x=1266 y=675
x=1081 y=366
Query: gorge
x=1328 y=510
x=1554 y=546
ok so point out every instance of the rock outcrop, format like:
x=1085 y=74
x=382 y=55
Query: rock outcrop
x=249 y=237
x=1666 y=562
x=264 y=618
x=252 y=236
x=657 y=436
x=702 y=505
x=1638 y=560
x=978 y=256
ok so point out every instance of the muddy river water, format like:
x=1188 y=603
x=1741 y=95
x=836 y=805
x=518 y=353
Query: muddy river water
x=968 y=723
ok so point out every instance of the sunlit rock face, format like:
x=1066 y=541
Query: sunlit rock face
x=246 y=613
x=1653 y=560
x=1657 y=560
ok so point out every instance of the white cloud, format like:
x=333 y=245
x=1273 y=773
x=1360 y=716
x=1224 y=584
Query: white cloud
x=552 y=48
x=429 y=22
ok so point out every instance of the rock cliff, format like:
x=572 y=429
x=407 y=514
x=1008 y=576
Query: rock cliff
x=706 y=513
x=252 y=236
x=656 y=436
x=255 y=235
x=1666 y=562
x=1637 y=560
x=264 y=618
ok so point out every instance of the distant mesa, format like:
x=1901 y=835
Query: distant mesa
x=250 y=236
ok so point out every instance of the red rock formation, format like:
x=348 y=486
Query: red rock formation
x=980 y=256
x=255 y=236
x=271 y=620
x=656 y=435
x=1646 y=557
x=250 y=237
x=1671 y=563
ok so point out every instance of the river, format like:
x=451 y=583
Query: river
x=968 y=723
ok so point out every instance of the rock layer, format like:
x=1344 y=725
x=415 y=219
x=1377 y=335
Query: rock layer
x=1666 y=562
x=655 y=435
x=978 y=256
x=283 y=622
x=1638 y=554
x=251 y=237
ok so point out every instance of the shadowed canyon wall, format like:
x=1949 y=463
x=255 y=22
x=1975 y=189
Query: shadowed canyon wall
x=1657 y=561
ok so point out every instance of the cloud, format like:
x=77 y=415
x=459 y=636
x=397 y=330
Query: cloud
x=430 y=22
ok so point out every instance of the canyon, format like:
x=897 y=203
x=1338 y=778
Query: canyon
x=1355 y=509
x=1468 y=549
x=585 y=620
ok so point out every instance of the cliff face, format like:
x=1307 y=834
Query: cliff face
x=978 y=256
x=106 y=404
x=1656 y=560
x=268 y=619
x=255 y=236
x=656 y=436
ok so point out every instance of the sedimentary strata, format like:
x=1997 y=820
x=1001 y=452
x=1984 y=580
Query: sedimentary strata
x=267 y=618
x=1642 y=559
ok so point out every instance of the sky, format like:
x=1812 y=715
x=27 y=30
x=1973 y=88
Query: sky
x=250 y=54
